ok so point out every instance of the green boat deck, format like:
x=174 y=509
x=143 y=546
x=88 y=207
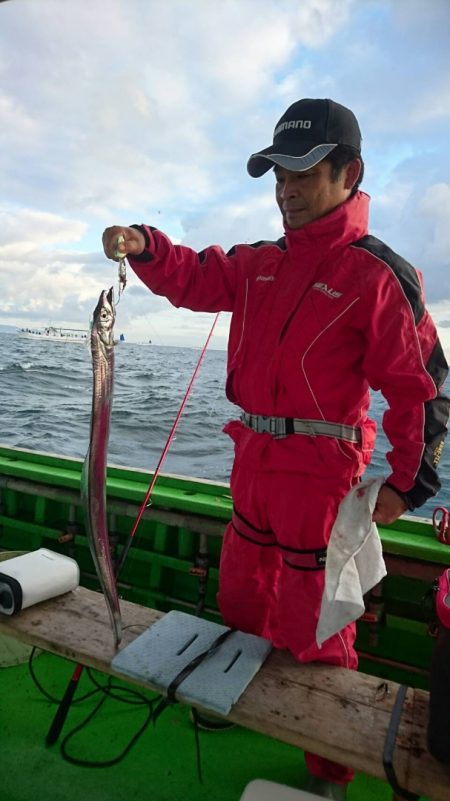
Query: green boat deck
x=160 y=767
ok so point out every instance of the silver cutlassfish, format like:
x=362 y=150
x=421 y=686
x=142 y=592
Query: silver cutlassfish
x=93 y=482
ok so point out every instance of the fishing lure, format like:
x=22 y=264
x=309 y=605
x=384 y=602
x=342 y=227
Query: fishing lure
x=122 y=266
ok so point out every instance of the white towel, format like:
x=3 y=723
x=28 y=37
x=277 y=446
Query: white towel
x=355 y=561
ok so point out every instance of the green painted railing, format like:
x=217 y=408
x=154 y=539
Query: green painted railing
x=180 y=535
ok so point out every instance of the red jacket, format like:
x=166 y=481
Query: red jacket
x=318 y=318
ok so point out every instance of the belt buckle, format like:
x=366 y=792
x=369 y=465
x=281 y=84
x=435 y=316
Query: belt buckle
x=264 y=424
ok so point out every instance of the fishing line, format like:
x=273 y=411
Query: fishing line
x=165 y=450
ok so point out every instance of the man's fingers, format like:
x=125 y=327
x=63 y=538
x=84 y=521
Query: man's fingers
x=114 y=242
x=389 y=506
x=119 y=241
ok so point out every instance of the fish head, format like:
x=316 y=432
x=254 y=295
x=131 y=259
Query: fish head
x=104 y=317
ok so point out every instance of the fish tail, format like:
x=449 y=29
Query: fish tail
x=113 y=606
x=117 y=626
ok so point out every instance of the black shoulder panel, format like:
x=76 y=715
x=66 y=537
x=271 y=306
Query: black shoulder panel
x=437 y=365
x=279 y=243
x=403 y=271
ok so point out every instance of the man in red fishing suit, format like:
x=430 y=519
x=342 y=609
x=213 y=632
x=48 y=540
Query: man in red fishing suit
x=318 y=318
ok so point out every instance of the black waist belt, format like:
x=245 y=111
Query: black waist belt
x=283 y=426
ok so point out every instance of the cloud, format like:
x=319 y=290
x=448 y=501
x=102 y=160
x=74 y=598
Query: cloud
x=125 y=119
x=27 y=227
x=249 y=216
x=410 y=211
x=45 y=284
x=17 y=124
x=149 y=112
x=444 y=337
x=435 y=206
x=36 y=278
x=432 y=106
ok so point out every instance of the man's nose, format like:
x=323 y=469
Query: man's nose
x=289 y=188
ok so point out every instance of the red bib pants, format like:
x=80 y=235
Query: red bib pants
x=271 y=570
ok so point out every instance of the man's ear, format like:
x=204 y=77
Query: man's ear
x=353 y=169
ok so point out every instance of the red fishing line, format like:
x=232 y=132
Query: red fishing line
x=165 y=450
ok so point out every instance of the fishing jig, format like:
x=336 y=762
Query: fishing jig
x=122 y=266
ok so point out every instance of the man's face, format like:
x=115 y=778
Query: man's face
x=305 y=196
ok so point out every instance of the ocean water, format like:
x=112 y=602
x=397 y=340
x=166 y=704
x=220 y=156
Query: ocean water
x=45 y=404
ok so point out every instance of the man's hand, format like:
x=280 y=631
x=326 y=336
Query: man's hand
x=389 y=506
x=133 y=242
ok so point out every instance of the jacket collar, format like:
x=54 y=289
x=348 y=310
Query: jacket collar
x=345 y=224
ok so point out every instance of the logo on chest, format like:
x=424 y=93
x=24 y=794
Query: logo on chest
x=326 y=290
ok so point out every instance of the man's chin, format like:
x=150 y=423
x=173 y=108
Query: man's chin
x=295 y=221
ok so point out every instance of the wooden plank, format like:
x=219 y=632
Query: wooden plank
x=334 y=712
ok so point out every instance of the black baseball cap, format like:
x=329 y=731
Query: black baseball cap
x=305 y=134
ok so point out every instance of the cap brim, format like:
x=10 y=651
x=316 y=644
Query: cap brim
x=261 y=162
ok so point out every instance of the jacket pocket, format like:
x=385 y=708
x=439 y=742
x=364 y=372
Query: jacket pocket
x=369 y=435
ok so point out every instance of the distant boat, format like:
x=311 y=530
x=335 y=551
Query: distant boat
x=52 y=334
x=122 y=341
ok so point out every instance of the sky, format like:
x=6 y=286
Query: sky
x=132 y=111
